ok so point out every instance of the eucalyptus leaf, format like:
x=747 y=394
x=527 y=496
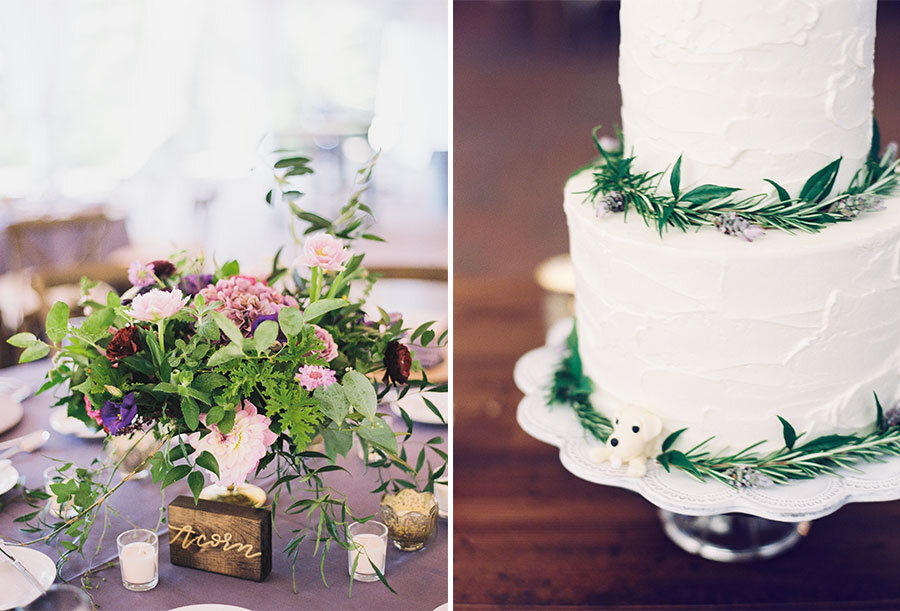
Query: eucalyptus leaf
x=360 y=393
x=337 y=442
x=265 y=335
x=290 y=320
x=333 y=402
x=227 y=326
x=321 y=307
x=379 y=433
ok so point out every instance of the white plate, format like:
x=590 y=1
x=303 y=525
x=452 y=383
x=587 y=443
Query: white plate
x=8 y=476
x=444 y=607
x=15 y=591
x=210 y=607
x=15 y=388
x=11 y=413
x=62 y=423
x=414 y=405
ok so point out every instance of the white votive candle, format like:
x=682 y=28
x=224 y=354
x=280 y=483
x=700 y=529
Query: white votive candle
x=442 y=492
x=369 y=547
x=139 y=559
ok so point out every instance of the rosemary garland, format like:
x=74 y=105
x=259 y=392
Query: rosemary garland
x=571 y=387
x=824 y=455
x=617 y=187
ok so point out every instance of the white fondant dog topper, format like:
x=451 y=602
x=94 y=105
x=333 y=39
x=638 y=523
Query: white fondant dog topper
x=632 y=441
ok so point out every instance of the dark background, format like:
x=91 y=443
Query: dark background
x=531 y=79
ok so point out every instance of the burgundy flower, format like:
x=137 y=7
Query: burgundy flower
x=397 y=362
x=124 y=343
x=162 y=269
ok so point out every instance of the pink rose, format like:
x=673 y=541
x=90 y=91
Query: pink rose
x=157 y=305
x=325 y=252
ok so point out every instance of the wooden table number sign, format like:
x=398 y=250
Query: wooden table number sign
x=221 y=538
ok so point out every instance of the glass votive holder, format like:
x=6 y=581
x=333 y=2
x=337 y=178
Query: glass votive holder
x=369 y=548
x=61 y=597
x=129 y=451
x=53 y=507
x=139 y=559
x=442 y=493
x=411 y=518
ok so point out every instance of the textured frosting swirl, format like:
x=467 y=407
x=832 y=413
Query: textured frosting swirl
x=721 y=336
x=747 y=90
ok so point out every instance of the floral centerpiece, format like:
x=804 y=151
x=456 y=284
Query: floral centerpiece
x=235 y=375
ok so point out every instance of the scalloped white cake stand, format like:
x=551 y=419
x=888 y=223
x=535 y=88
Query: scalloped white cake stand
x=710 y=518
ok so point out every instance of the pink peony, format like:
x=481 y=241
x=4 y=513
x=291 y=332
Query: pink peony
x=244 y=299
x=312 y=377
x=141 y=275
x=240 y=450
x=157 y=305
x=93 y=413
x=330 y=351
x=325 y=252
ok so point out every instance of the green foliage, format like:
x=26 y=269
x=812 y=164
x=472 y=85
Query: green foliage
x=820 y=456
x=810 y=211
x=571 y=387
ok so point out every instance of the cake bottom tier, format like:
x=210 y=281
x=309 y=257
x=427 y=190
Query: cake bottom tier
x=722 y=336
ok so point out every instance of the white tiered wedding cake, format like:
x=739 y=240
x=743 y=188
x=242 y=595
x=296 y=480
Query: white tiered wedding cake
x=709 y=331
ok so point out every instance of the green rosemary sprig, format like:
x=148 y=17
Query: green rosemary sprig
x=824 y=455
x=571 y=387
x=810 y=211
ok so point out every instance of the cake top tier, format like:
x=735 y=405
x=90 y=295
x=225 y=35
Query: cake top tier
x=747 y=90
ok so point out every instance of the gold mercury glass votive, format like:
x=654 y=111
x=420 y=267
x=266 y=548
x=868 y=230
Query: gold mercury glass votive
x=411 y=518
x=248 y=495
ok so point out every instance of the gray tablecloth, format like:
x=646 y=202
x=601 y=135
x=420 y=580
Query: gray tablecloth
x=420 y=578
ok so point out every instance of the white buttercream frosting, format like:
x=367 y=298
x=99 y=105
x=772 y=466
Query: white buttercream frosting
x=747 y=89
x=721 y=336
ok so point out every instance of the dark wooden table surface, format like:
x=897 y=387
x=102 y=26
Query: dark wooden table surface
x=529 y=533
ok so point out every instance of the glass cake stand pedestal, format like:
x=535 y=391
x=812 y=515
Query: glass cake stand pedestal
x=710 y=519
x=732 y=537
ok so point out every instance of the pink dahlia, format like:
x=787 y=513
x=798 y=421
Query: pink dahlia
x=312 y=377
x=325 y=252
x=330 y=351
x=244 y=299
x=240 y=450
x=141 y=274
x=157 y=305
